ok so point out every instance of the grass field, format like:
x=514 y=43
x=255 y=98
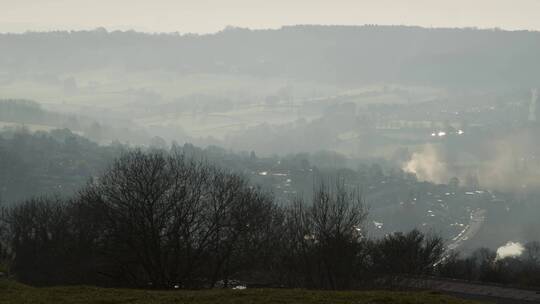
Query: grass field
x=15 y=293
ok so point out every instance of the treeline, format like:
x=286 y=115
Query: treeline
x=161 y=220
x=484 y=265
x=29 y=112
x=366 y=54
x=58 y=161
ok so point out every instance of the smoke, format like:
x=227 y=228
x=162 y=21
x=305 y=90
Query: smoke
x=427 y=165
x=511 y=249
x=504 y=162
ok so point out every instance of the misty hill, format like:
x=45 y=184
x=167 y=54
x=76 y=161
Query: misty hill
x=42 y=163
x=15 y=113
x=30 y=112
x=342 y=54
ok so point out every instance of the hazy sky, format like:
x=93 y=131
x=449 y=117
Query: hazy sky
x=203 y=16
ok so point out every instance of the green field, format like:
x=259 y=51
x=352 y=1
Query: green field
x=15 y=293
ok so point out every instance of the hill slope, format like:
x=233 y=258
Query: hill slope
x=325 y=53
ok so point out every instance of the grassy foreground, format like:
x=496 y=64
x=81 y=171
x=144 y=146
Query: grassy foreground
x=15 y=293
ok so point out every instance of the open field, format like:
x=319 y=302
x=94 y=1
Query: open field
x=15 y=293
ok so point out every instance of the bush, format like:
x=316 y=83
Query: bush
x=407 y=253
x=40 y=236
x=323 y=245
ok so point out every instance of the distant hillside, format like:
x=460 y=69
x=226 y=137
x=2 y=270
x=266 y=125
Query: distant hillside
x=41 y=163
x=344 y=54
x=30 y=112
x=31 y=115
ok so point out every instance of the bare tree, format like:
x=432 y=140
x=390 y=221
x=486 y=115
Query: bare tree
x=5 y=251
x=152 y=205
x=325 y=246
x=39 y=235
x=171 y=221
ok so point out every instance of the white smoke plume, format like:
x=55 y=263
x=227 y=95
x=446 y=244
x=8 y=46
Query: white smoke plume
x=427 y=165
x=507 y=163
x=511 y=249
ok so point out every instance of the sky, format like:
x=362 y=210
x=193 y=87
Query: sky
x=207 y=16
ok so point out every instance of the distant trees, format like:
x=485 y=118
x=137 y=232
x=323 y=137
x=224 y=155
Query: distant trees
x=43 y=163
x=23 y=111
x=532 y=253
x=481 y=265
x=485 y=265
x=531 y=260
x=348 y=61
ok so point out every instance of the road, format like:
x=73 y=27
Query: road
x=477 y=219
